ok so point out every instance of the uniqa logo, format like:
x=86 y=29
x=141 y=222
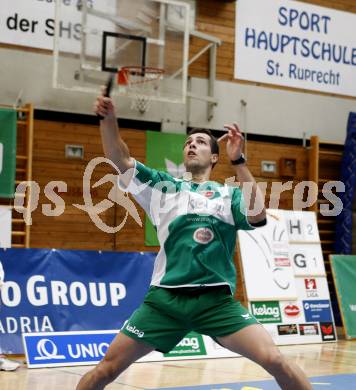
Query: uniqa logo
x=265 y=310
x=47 y=350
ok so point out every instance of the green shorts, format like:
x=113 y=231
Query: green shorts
x=167 y=315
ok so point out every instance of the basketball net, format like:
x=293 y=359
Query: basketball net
x=142 y=84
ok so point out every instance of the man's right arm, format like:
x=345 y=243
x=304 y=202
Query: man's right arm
x=115 y=148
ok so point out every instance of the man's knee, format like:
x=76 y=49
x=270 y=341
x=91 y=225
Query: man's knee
x=106 y=372
x=274 y=362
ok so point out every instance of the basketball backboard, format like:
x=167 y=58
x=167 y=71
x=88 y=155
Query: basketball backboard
x=94 y=37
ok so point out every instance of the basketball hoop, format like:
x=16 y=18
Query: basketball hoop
x=142 y=84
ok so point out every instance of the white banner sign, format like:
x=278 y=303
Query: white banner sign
x=307 y=259
x=312 y=288
x=285 y=278
x=5 y=227
x=297 y=45
x=31 y=23
x=302 y=226
x=265 y=259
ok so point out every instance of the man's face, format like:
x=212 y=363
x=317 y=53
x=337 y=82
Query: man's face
x=197 y=152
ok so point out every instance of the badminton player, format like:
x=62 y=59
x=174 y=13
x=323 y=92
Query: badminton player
x=194 y=276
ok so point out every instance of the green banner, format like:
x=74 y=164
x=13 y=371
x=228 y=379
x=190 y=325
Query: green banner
x=8 y=118
x=165 y=153
x=267 y=312
x=191 y=345
x=344 y=273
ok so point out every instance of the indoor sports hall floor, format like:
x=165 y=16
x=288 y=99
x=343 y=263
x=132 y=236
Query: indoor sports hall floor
x=330 y=367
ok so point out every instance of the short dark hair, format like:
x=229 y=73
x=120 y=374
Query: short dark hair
x=214 y=146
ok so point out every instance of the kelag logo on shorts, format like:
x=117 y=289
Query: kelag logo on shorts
x=266 y=312
x=191 y=345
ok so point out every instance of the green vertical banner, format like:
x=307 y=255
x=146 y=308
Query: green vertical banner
x=164 y=152
x=8 y=125
x=344 y=273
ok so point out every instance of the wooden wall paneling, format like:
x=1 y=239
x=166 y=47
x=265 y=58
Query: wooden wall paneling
x=326 y=166
x=74 y=229
x=314 y=166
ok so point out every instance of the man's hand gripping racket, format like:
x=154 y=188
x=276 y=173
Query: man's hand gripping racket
x=103 y=105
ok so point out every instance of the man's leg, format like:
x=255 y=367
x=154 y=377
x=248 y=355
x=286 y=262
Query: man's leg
x=123 y=351
x=255 y=343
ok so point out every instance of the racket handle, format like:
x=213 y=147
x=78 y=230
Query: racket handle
x=109 y=85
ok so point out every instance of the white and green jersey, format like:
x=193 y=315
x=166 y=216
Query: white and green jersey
x=196 y=226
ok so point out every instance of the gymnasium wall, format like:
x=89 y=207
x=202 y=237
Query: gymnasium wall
x=269 y=110
x=73 y=229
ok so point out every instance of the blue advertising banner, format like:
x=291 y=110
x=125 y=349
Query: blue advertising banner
x=66 y=348
x=319 y=311
x=54 y=291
